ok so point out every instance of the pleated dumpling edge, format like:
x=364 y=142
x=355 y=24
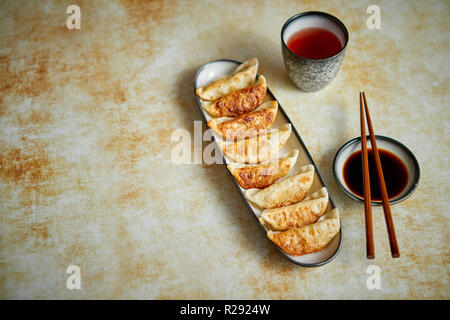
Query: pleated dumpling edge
x=243 y=76
x=310 y=238
x=285 y=192
x=297 y=215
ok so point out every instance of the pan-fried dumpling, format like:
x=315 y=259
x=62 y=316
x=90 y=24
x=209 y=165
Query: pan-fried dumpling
x=248 y=124
x=264 y=174
x=242 y=77
x=238 y=102
x=258 y=148
x=308 y=239
x=297 y=215
x=285 y=192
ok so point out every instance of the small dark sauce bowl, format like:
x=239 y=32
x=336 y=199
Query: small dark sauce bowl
x=385 y=143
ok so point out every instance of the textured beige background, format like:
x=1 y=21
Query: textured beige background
x=86 y=177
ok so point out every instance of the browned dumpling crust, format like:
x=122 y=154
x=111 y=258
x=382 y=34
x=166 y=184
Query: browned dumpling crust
x=263 y=175
x=238 y=102
x=297 y=215
x=284 y=192
x=310 y=238
x=246 y=125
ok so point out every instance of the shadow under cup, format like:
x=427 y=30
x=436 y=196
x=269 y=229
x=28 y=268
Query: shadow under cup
x=312 y=74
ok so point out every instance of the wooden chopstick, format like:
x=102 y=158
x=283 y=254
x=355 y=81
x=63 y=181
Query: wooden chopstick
x=384 y=197
x=370 y=249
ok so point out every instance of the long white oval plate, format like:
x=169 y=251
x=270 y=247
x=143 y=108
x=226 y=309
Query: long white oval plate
x=214 y=70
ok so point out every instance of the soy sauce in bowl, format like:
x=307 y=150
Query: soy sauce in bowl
x=394 y=170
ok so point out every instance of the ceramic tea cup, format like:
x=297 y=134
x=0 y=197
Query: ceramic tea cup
x=312 y=73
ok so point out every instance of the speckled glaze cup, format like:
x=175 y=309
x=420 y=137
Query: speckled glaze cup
x=312 y=74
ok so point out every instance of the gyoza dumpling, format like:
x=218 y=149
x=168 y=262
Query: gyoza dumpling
x=238 y=102
x=308 y=239
x=246 y=125
x=264 y=174
x=285 y=192
x=242 y=77
x=259 y=148
x=297 y=215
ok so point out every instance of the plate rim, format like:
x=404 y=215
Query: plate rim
x=308 y=154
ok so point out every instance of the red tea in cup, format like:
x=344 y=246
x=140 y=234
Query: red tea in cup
x=314 y=43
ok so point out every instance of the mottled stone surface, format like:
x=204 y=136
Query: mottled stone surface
x=86 y=176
